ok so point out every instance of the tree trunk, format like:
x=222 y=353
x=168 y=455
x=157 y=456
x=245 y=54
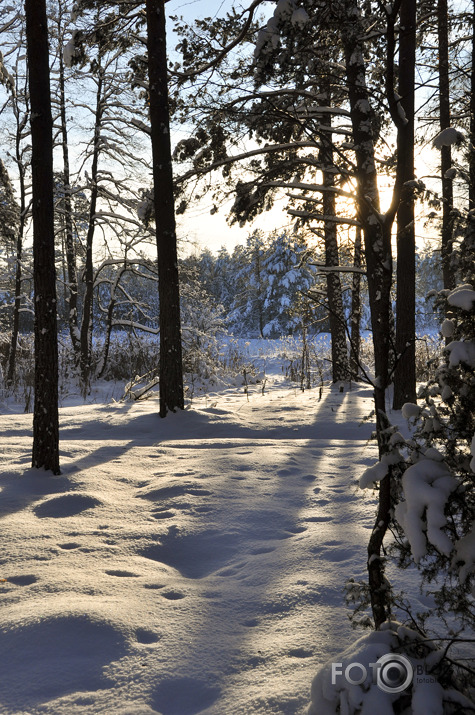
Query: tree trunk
x=88 y=277
x=171 y=369
x=72 y=283
x=405 y=373
x=340 y=367
x=10 y=378
x=446 y=152
x=355 y=322
x=45 y=418
x=110 y=314
x=377 y=242
x=467 y=252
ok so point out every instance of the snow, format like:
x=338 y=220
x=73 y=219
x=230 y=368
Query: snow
x=379 y=470
x=326 y=696
x=69 y=51
x=447 y=328
x=462 y=297
x=461 y=352
x=185 y=565
x=299 y=17
x=374 y=659
x=410 y=410
x=464 y=557
x=450 y=173
x=426 y=486
x=447 y=137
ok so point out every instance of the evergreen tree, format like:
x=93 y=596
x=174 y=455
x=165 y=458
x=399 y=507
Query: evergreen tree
x=171 y=369
x=45 y=418
x=9 y=211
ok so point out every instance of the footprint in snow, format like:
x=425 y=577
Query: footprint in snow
x=65 y=505
x=297 y=529
x=300 y=653
x=262 y=550
x=173 y=595
x=193 y=555
x=177 y=696
x=68 y=546
x=146 y=637
x=163 y=514
x=232 y=571
x=121 y=573
x=154 y=586
x=316 y=519
x=175 y=490
x=287 y=472
x=22 y=580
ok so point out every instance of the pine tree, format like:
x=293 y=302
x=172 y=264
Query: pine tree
x=45 y=418
x=171 y=369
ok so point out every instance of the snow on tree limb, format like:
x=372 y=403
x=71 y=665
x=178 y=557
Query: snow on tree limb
x=426 y=487
x=448 y=137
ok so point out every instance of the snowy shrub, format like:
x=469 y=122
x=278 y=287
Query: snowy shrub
x=436 y=514
x=392 y=670
x=434 y=517
x=433 y=522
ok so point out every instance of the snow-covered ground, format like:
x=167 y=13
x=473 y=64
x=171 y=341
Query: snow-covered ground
x=187 y=565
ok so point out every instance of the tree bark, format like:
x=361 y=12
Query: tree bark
x=377 y=241
x=405 y=372
x=72 y=283
x=446 y=152
x=171 y=369
x=467 y=251
x=355 y=321
x=88 y=277
x=12 y=353
x=45 y=418
x=340 y=366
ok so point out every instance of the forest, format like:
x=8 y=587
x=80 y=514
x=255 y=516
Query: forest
x=348 y=130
